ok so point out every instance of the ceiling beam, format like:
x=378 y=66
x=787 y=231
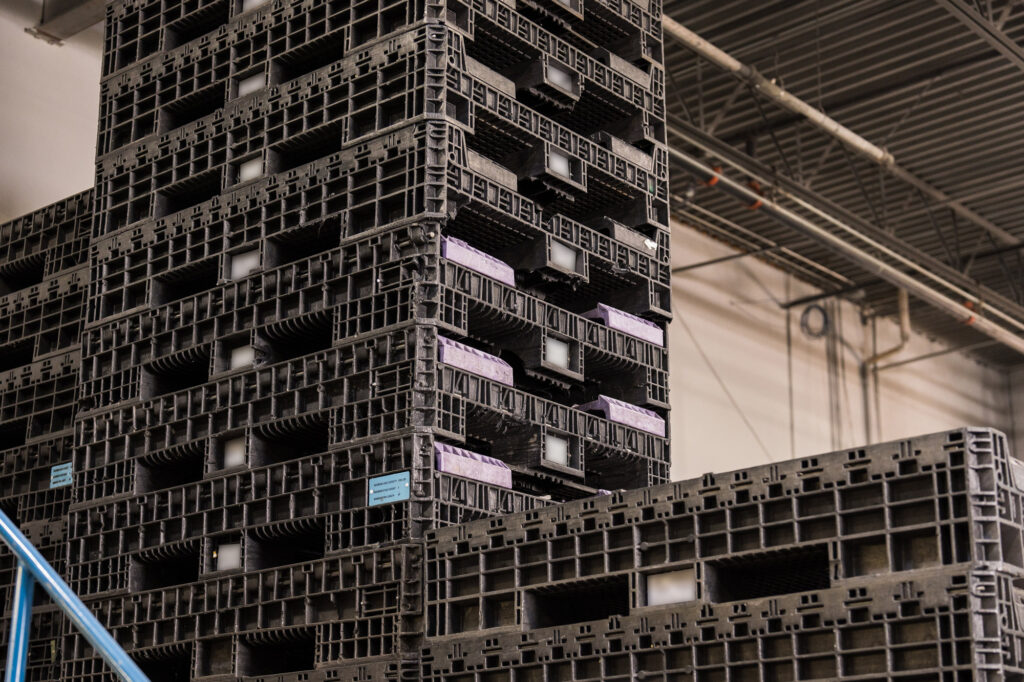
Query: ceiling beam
x=871 y=255
x=986 y=30
x=708 y=146
x=62 y=19
x=771 y=90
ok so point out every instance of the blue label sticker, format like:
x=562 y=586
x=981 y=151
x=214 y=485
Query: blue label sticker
x=60 y=475
x=390 y=488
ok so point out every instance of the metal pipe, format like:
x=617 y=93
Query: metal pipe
x=870 y=263
x=938 y=354
x=772 y=91
x=32 y=561
x=723 y=259
x=935 y=272
x=827 y=124
x=903 y=300
x=814 y=298
x=21 y=623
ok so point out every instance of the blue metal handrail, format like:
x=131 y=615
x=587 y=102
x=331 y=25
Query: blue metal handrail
x=32 y=567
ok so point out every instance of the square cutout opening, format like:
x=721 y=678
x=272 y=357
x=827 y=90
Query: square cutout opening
x=593 y=600
x=766 y=574
x=671 y=587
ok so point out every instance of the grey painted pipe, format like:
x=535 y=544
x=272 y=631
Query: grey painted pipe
x=850 y=139
x=957 y=310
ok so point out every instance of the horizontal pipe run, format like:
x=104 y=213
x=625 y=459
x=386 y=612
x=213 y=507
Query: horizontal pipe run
x=776 y=93
x=933 y=273
x=957 y=310
x=827 y=124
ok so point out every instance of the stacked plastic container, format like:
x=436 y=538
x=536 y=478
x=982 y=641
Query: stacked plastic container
x=360 y=269
x=363 y=377
x=43 y=287
x=900 y=561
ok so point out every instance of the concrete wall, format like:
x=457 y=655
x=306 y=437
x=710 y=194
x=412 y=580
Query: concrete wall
x=48 y=117
x=784 y=398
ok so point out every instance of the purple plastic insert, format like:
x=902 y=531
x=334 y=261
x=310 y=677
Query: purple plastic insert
x=629 y=324
x=472 y=360
x=462 y=253
x=625 y=413
x=459 y=462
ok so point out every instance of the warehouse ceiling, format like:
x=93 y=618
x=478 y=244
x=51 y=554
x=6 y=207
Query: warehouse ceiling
x=937 y=83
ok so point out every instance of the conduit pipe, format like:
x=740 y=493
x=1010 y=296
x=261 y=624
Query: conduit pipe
x=830 y=126
x=969 y=298
x=967 y=311
x=903 y=301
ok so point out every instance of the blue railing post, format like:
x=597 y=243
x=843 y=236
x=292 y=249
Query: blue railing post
x=17 y=651
x=33 y=565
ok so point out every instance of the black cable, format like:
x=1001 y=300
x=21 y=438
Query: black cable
x=805 y=321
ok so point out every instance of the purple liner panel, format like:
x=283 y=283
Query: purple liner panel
x=459 y=462
x=462 y=253
x=624 y=413
x=472 y=360
x=628 y=324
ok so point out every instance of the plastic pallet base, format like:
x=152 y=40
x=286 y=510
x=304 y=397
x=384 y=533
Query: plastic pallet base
x=950 y=499
x=137 y=269
x=45 y=647
x=927 y=625
x=38 y=399
x=372 y=387
x=360 y=605
x=104 y=561
x=47 y=241
x=309 y=305
x=287 y=40
x=32 y=482
x=421 y=72
x=152 y=263
x=51 y=539
x=38 y=321
x=320 y=503
x=174 y=665
x=524 y=152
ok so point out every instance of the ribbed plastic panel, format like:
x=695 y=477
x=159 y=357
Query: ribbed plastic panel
x=353 y=271
x=960 y=625
x=950 y=499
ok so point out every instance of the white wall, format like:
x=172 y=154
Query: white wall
x=49 y=112
x=733 y=311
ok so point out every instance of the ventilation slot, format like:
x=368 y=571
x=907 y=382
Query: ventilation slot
x=595 y=600
x=181 y=466
x=163 y=567
x=170 y=375
x=197 y=24
x=306 y=148
x=192 y=107
x=272 y=549
x=769 y=574
x=187 y=281
x=174 y=665
x=21 y=275
x=16 y=355
x=307 y=59
x=188 y=193
x=288 y=651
